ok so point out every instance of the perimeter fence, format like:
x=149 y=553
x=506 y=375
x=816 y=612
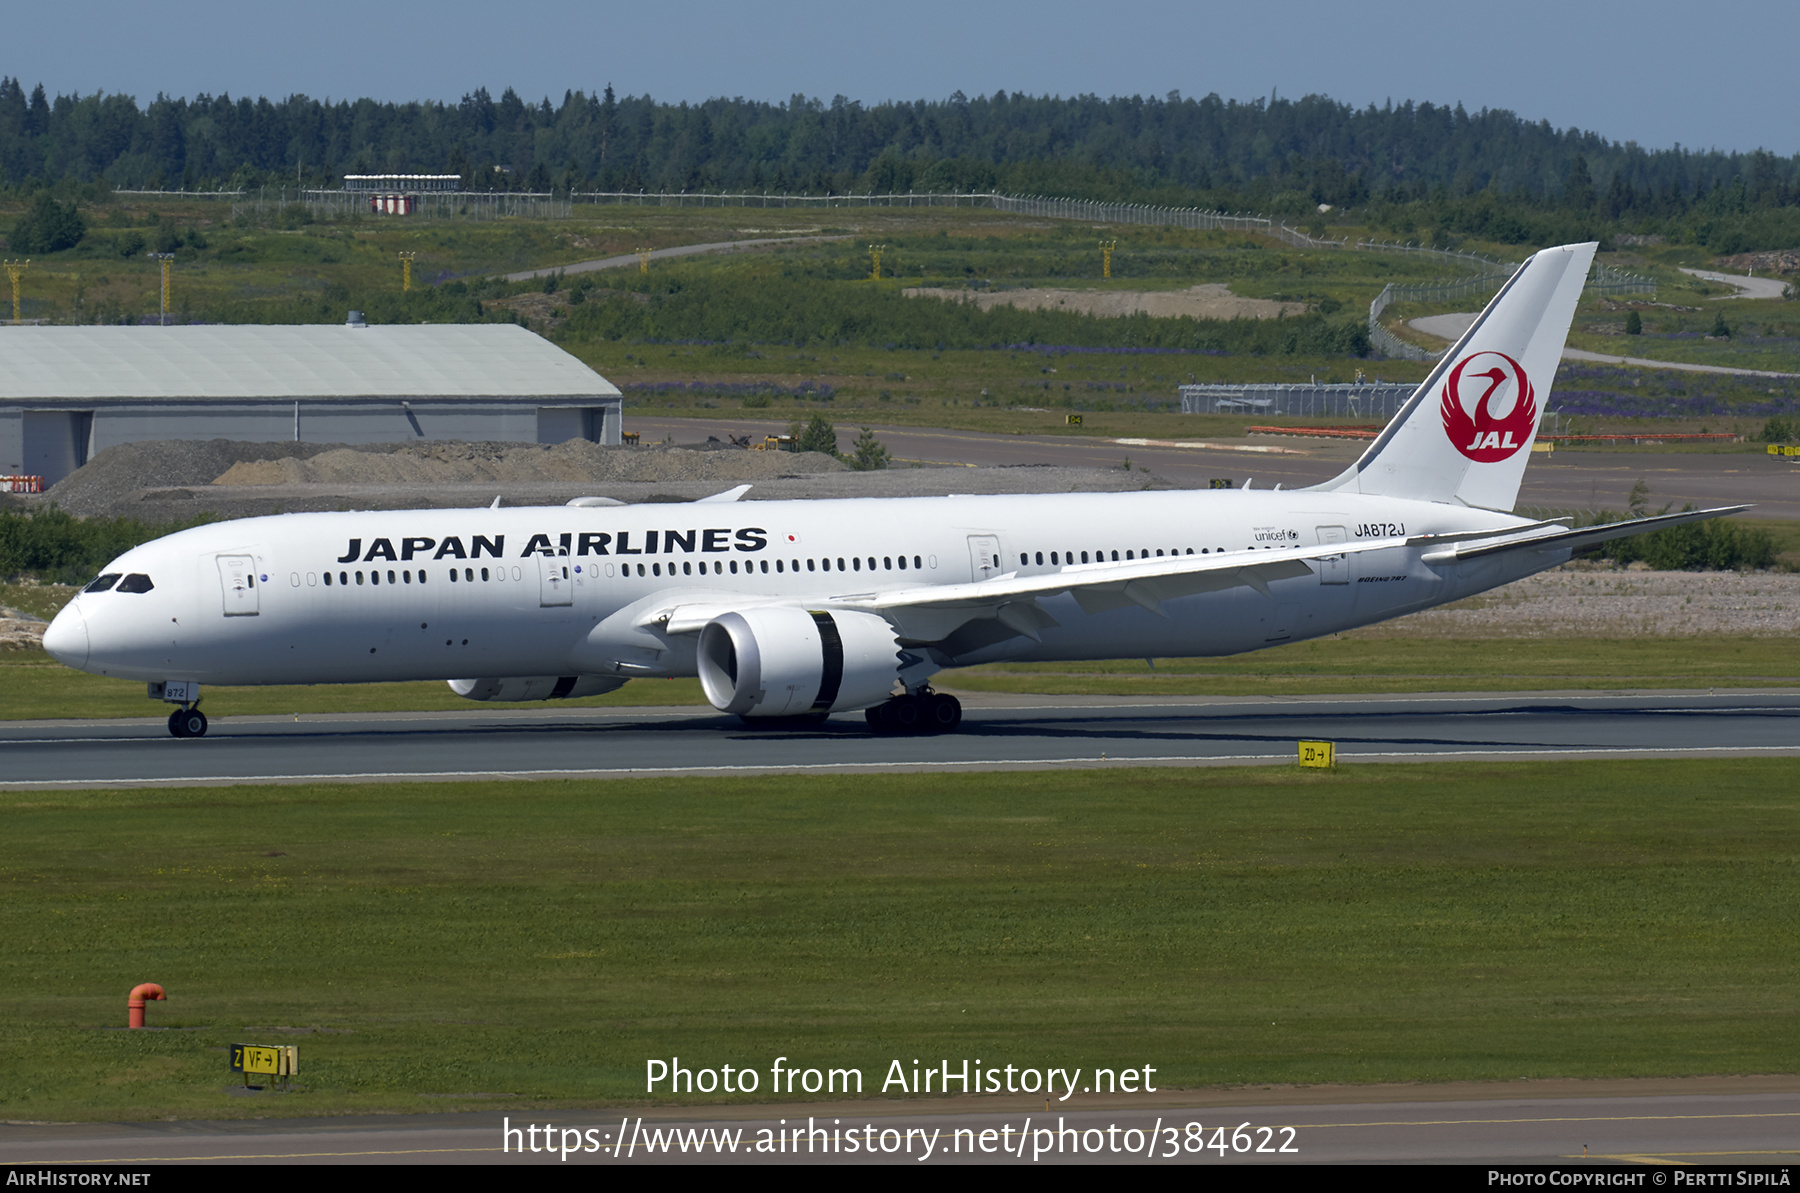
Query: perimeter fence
x=1376 y=400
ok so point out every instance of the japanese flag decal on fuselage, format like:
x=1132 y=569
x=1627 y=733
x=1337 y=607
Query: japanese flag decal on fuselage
x=1465 y=434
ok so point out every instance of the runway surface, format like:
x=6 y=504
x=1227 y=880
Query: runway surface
x=1562 y=480
x=998 y=733
x=1718 y=1130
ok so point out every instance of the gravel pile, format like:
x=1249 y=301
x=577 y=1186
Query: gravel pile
x=524 y=463
x=1583 y=600
x=178 y=480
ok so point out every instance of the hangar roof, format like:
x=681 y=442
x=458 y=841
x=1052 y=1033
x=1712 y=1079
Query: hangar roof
x=316 y=361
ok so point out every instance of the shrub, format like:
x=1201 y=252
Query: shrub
x=47 y=227
x=1716 y=545
x=869 y=455
x=57 y=547
x=817 y=436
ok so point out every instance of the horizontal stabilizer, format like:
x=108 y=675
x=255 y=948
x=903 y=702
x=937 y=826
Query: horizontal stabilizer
x=1572 y=540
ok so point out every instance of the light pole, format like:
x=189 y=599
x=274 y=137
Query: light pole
x=875 y=252
x=14 y=270
x=165 y=259
x=1106 y=252
x=406 y=260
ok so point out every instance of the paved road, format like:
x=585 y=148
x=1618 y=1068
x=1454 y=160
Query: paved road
x=1747 y=287
x=1564 y=480
x=684 y=250
x=1748 y=1124
x=1449 y=327
x=998 y=733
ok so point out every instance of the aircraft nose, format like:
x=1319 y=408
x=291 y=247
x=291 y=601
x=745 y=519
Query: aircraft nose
x=66 y=638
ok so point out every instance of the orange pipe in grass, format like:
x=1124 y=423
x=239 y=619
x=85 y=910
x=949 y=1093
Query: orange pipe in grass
x=134 y=1005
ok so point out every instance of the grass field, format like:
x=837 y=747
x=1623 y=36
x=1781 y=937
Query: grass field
x=434 y=947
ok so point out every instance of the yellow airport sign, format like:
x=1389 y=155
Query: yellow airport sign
x=1318 y=753
x=281 y=1061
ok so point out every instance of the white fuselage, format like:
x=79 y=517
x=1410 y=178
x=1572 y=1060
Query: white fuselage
x=560 y=590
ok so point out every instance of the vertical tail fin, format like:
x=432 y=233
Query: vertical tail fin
x=1465 y=435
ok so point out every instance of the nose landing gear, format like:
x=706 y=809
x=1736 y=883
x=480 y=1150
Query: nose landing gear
x=926 y=712
x=187 y=722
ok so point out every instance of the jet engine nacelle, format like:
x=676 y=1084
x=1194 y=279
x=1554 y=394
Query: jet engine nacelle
x=782 y=661
x=536 y=687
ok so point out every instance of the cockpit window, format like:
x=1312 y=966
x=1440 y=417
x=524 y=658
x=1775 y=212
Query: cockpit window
x=136 y=582
x=102 y=582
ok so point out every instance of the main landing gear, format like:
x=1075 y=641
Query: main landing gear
x=927 y=712
x=187 y=722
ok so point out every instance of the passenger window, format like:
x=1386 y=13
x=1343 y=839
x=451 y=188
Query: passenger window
x=328 y=579
x=102 y=583
x=136 y=582
x=359 y=577
x=390 y=576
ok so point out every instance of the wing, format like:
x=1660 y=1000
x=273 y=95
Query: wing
x=930 y=614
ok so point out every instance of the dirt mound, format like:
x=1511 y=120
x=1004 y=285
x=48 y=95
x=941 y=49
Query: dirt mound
x=118 y=474
x=162 y=479
x=1213 y=300
x=521 y=463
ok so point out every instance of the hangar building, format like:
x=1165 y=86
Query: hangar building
x=68 y=392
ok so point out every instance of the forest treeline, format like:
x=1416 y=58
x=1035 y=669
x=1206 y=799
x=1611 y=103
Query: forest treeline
x=1277 y=155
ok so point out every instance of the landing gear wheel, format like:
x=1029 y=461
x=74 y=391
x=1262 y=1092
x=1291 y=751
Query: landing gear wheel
x=942 y=713
x=905 y=714
x=187 y=722
x=929 y=712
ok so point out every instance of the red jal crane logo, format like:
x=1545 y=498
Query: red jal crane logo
x=1478 y=385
